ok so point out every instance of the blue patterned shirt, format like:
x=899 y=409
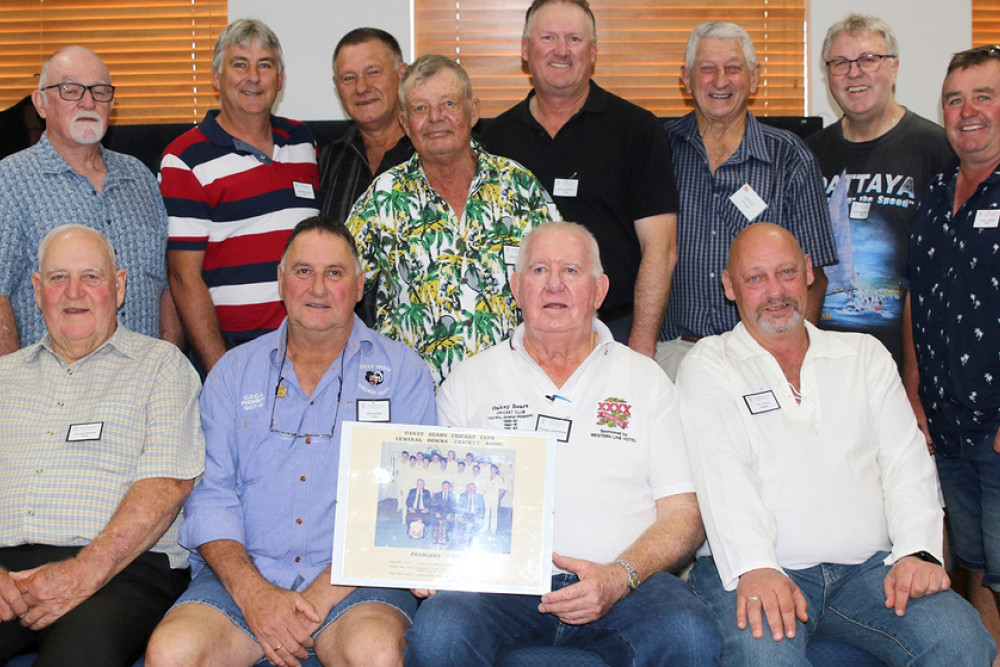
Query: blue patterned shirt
x=955 y=297
x=782 y=171
x=39 y=191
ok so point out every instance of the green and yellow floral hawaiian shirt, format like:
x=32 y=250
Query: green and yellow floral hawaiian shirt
x=443 y=279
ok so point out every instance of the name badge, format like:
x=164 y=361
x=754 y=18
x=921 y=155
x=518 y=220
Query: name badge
x=510 y=253
x=561 y=427
x=83 y=432
x=761 y=402
x=860 y=209
x=748 y=202
x=565 y=187
x=303 y=190
x=987 y=219
x=373 y=410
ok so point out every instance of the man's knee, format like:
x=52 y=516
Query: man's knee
x=446 y=624
x=370 y=634
x=192 y=634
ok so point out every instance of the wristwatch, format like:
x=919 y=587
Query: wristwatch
x=926 y=557
x=633 y=577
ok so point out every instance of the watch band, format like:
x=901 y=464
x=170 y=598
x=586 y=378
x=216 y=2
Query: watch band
x=926 y=557
x=633 y=577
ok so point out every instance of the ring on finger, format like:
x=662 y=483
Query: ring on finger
x=753 y=597
x=277 y=648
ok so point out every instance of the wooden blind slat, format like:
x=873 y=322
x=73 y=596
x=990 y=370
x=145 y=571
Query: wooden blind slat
x=159 y=52
x=640 y=48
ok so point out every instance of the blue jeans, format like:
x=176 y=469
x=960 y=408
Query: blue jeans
x=846 y=603
x=971 y=485
x=661 y=623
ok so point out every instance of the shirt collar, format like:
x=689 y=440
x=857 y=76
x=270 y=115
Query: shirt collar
x=280 y=131
x=604 y=339
x=741 y=345
x=362 y=339
x=753 y=144
x=121 y=342
x=51 y=162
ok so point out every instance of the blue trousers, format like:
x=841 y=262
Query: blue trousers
x=661 y=623
x=846 y=603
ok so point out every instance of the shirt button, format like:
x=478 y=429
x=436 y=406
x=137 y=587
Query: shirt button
x=108 y=221
x=48 y=432
x=31 y=512
x=311 y=403
x=298 y=522
x=465 y=281
x=309 y=441
x=60 y=404
x=302 y=479
x=711 y=274
x=69 y=371
x=38 y=471
x=297 y=559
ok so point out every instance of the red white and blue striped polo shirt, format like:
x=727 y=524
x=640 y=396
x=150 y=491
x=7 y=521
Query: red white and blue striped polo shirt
x=238 y=205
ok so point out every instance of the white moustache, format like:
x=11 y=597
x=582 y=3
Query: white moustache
x=87 y=115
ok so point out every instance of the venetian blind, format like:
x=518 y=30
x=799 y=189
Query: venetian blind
x=159 y=52
x=985 y=22
x=640 y=48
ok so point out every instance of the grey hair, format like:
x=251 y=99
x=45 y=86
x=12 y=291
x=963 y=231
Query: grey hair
x=243 y=32
x=427 y=66
x=852 y=24
x=561 y=226
x=720 y=30
x=109 y=250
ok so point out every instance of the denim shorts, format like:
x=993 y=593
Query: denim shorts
x=971 y=486
x=206 y=589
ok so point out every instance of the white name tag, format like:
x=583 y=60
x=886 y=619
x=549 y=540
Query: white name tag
x=303 y=190
x=860 y=209
x=561 y=427
x=82 y=432
x=373 y=410
x=565 y=187
x=510 y=253
x=761 y=402
x=748 y=201
x=987 y=219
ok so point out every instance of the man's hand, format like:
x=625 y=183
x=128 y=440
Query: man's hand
x=996 y=443
x=912 y=578
x=52 y=590
x=768 y=591
x=282 y=622
x=599 y=588
x=12 y=605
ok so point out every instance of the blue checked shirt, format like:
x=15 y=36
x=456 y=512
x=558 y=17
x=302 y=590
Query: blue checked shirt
x=782 y=171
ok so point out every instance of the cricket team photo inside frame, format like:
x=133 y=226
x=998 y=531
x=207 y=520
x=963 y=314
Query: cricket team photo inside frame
x=444 y=509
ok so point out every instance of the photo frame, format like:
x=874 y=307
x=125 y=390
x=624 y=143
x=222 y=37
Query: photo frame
x=436 y=525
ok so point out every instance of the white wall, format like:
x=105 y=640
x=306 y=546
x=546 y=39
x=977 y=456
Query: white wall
x=929 y=31
x=308 y=30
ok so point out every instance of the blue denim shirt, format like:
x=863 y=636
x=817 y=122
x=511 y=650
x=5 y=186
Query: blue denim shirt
x=274 y=492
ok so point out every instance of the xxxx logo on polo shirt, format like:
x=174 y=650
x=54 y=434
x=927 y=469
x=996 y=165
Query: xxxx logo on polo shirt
x=613 y=413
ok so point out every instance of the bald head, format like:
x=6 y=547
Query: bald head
x=70 y=58
x=768 y=276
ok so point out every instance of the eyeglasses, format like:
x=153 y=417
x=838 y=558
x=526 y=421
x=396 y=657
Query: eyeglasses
x=867 y=62
x=73 y=92
x=280 y=391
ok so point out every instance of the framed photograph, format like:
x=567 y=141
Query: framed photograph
x=444 y=508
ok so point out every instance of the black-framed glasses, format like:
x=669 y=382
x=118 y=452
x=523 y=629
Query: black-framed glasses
x=73 y=92
x=281 y=390
x=867 y=62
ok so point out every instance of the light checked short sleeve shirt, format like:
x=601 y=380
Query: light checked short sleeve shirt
x=782 y=171
x=75 y=437
x=39 y=191
x=266 y=488
x=442 y=277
